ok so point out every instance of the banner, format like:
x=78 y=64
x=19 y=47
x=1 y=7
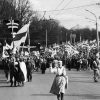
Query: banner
x=5 y=53
x=20 y=36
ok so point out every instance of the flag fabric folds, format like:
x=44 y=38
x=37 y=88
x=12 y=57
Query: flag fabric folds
x=20 y=36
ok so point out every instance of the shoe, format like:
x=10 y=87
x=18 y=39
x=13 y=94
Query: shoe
x=95 y=81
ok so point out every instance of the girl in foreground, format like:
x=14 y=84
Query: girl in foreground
x=60 y=81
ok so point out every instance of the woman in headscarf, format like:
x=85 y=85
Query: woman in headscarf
x=60 y=82
x=19 y=75
x=23 y=68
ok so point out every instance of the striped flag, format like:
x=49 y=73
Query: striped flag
x=20 y=36
x=5 y=48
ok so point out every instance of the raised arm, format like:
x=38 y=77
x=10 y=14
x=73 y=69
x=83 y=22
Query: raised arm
x=53 y=70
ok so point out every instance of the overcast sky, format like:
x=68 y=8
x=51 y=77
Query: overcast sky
x=74 y=13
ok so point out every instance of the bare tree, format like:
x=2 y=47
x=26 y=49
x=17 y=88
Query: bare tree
x=18 y=10
x=6 y=10
x=24 y=12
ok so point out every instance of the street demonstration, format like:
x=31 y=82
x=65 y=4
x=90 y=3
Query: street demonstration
x=50 y=47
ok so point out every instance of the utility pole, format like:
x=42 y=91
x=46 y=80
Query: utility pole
x=46 y=39
x=71 y=38
x=66 y=37
x=46 y=32
x=96 y=29
x=80 y=37
x=28 y=40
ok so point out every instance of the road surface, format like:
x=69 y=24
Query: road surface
x=81 y=87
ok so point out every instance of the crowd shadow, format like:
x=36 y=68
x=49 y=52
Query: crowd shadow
x=81 y=96
x=86 y=96
x=3 y=81
x=3 y=86
x=80 y=77
x=82 y=81
x=42 y=94
x=81 y=72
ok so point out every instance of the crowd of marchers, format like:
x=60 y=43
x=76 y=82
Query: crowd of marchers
x=19 y=69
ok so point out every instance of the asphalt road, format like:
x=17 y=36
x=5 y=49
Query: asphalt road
x=81 y=87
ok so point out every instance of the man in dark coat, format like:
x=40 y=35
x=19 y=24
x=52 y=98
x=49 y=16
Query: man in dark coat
x=12 y=72
x=16 y=74
x=5 y=63
x=19 y=76
x=43 y=67
x=29 y=69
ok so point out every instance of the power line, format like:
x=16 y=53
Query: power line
x=70 y=8
x=65 y=6
x=59 y=4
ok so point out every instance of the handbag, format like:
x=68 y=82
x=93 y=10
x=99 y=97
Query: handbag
x=66 y=85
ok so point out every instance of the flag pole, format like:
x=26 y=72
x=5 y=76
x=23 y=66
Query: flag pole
x=22 y=49
x=28 y=40
x=12 y=30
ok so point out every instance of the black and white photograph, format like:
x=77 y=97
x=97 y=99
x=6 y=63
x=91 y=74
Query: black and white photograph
x=50 y=49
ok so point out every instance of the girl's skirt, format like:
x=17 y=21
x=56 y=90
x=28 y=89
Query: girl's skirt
x=58 y=85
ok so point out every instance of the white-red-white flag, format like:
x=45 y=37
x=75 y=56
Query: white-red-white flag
x=20 y=36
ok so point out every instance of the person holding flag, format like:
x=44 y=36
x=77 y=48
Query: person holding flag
x=20 y=37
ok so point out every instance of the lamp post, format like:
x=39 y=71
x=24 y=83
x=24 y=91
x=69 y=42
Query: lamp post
x=96 y=29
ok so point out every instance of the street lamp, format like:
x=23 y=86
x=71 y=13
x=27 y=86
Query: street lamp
x=96 y=29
